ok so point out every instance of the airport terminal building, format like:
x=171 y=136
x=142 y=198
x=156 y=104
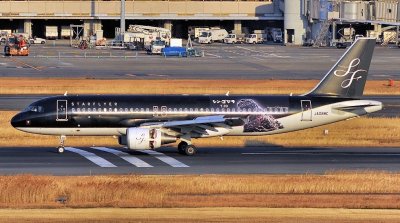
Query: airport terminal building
x=302 y=21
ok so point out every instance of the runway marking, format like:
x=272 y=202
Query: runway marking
x=325 y=153
x=244 y=48
x=125 y=156
x=166 y=159
x=23 y=63
x=214 y=55
x=91 y=157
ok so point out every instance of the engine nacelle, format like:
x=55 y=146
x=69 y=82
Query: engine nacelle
x=146 y=138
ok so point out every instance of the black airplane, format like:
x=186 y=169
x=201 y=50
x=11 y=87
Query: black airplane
x=144 y=122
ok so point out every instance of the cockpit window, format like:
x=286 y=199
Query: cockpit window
x=34 y=109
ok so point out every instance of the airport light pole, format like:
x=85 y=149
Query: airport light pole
x=122 y=22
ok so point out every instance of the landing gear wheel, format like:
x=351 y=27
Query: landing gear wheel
x=60 y=149
x=190 y=150
x=181 y=147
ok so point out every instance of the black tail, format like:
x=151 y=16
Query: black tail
x=348 y=76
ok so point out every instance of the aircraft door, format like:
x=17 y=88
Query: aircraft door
x=306 y=110
x=62 y=110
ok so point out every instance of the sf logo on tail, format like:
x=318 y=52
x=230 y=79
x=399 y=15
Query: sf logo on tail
x=343 y=73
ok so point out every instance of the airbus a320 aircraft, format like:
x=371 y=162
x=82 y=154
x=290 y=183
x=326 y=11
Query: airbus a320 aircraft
x=147 y=122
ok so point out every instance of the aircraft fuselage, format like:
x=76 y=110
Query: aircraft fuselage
x=251 y=115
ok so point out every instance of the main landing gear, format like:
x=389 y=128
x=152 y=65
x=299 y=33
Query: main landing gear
x=61 y=149
x=186 y=149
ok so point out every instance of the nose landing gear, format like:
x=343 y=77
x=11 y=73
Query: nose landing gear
x=61 y=149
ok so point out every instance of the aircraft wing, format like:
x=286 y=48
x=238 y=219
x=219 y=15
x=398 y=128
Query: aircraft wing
x=207 y=125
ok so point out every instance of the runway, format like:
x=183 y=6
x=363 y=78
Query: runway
x=249 y=160
x=18 y=102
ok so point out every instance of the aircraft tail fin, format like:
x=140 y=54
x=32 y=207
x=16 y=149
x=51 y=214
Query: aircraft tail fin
x=348 y=76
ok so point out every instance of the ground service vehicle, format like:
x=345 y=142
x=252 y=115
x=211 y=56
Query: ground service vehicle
x=234 y=38
x=276 y=35
x=150 y=33
x=37 y=40
x=65 y=32
x=174 y=51
x=213 y=35
x=16 y=46
x=4 y=35
x=195 y=32
x=51 y=32
x=256 y=38
x=146 y=122
x=156 y=47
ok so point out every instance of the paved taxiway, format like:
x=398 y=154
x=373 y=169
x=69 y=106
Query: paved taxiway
x=18 y=102
x=220 y=61
x=250 y=160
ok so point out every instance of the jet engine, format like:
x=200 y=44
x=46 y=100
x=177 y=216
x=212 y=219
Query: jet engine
x=145 y=138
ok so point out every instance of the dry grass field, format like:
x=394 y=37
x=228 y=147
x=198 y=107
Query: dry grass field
x=197 y=215
x=371 y=190
x=359 y=132
x=94 y=86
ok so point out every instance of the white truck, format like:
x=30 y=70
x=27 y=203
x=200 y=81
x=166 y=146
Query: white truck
x=256 y=38
x=51 y=32
x=234 y=38
x=156 y=47
x=148 y=34
x=213 y=35
x=65 y=32
x=195 y=32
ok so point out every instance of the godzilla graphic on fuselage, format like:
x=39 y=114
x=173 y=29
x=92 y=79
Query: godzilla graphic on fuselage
x=257 y=123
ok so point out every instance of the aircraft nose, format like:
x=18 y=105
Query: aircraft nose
x=17 y=120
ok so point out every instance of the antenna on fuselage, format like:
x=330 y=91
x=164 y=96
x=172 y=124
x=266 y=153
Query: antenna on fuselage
x=227 y=93
x=65 y=94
